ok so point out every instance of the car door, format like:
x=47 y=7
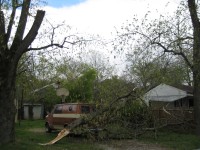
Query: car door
x=57 y=116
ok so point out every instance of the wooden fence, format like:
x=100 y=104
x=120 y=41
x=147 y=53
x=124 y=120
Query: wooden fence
x=173 y=116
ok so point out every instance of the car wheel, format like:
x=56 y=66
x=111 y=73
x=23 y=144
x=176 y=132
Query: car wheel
x=47 y=128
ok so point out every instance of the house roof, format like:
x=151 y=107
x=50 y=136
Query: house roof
x=187 y=88
x=168 y=93
x=32 y=104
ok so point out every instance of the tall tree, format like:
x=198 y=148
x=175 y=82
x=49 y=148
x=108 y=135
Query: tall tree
x=9 y=58
x=178 y=35
x=145 y=70
x=11 y=50
x=193 y=9
x=112 y=88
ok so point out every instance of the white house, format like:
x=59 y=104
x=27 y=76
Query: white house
x=171 y=104
x=170 y=96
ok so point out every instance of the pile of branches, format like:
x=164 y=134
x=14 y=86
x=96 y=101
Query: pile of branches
x=125 y=117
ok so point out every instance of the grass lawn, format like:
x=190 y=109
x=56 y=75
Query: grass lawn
x=173 y=140
x=30 y=133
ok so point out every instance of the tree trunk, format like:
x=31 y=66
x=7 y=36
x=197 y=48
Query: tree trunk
x=7 y=112
x=196 y=77
x=9 y=58
x=197 y=103
x=196 y=61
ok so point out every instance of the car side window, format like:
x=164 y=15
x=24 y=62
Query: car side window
x=69 y=108
x=58 y=110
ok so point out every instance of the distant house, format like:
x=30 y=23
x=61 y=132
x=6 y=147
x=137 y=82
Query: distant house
x=36 y=110
x=167 y=101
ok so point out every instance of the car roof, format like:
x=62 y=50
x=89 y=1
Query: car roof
x=75 y=104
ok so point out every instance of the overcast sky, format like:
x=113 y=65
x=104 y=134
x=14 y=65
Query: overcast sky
x=103 y=17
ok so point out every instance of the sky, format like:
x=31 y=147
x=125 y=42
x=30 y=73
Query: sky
x=63 y=3
x=104 y=17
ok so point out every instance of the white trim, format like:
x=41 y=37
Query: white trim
x=58 y=127
x=67 y=115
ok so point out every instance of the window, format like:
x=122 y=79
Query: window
x=70 y=108
x=178 y=103
x=85 y=109
x=58 y=110
x=191 y=102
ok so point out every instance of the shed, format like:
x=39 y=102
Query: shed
x=37 y=111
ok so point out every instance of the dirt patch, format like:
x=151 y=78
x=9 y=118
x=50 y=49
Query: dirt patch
x=37 y=130
x=130 y=145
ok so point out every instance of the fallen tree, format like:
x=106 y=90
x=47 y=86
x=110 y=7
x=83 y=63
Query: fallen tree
x=127 y=116
x=111 y=114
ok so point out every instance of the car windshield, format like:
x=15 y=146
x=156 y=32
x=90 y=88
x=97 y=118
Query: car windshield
x=58 y=109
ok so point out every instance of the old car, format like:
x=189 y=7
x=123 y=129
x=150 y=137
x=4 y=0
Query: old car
x=64 y=114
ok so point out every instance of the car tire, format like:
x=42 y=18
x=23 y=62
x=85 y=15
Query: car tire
x=47 y=128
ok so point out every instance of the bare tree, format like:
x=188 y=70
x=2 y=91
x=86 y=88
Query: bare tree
x=11 y=50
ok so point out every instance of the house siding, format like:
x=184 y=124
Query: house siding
x=170 y=105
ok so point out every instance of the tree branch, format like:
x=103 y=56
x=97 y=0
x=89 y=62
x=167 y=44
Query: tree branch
x=175 y=53
x=22 y=64
x=20 y=72
x=32 y=33
x=45 y=47
x=12 y=16
x=2 y=28
x=21 y=26
x=95 y=114
x=62 y=45
x=3 y=44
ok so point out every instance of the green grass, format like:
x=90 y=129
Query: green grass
x=30 y=133
x=173 y=140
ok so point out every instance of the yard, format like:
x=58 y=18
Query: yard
x=30 y=133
